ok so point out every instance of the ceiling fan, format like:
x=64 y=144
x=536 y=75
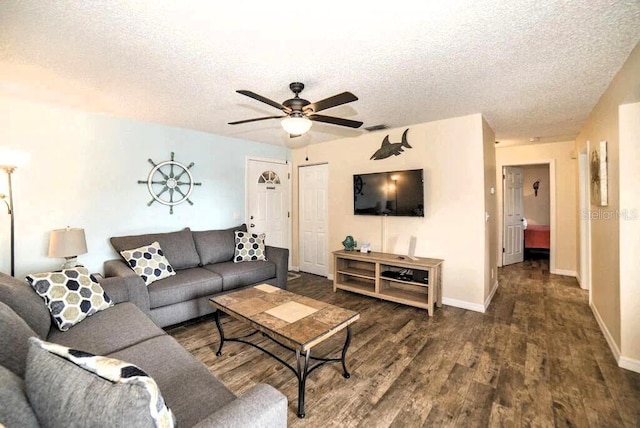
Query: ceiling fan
x=298 y=112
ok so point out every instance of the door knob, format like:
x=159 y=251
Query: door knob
x=252 y=225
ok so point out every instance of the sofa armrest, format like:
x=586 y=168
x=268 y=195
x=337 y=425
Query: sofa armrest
x=115 y=288
x=261 y=406
x=136 y=289
x=280 y=256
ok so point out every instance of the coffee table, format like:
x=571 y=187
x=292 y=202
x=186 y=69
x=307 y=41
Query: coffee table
x=296 y=322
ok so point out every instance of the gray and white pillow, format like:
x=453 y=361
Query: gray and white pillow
x=149 y=262
x=249 y=247
x=67 y=387
x=70 y=294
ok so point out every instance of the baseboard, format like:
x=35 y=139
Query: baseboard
x=564 y=272
x=487 y=301
x=629 y=364
x=463 y=305
x=330 y=277
x=607 y=335
x=294 y=268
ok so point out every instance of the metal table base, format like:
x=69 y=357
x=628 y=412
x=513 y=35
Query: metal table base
x=303 y=367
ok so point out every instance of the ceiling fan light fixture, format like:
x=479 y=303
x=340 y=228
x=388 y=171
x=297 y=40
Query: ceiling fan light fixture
x=296 y=125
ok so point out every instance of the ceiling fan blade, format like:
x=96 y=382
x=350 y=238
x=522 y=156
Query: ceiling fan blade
x=264 y=100
x=256 y=119
x=335 y=120
x=336 y=100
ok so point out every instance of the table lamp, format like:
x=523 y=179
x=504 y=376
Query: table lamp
x=67 y=243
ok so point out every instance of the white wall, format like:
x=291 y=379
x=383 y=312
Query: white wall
x=83 y=172
x=451 y=154
x=629 y=135
x=604 y=124
x=491 y=209
x=536 y=207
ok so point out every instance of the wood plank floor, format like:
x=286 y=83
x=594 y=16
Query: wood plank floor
x=536 y=358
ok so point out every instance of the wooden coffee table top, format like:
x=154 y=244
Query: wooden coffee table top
x=296 y=321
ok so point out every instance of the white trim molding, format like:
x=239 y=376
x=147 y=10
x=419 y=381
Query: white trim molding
x=629 y=364
x=607 y=335
x=489 y=298
x=564 y=272
x=463 y=304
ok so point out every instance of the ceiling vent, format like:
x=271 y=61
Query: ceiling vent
x=376 y=127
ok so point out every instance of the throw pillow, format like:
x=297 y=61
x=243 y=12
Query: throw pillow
x=67 y=387
x=249 y=246
x=149 y=262
x=70 y=294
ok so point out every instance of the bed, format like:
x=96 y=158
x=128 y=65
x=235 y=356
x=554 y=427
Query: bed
x=537 y=239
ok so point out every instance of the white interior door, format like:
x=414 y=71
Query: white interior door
x=268 y=201
x=313 y=184
x=513 y=251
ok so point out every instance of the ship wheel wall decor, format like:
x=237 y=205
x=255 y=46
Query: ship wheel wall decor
x=170 y=182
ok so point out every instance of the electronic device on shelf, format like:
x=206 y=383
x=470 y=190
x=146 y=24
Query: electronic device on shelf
x=402 y=275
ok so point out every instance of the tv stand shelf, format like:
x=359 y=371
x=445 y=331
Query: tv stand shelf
x=390 y=277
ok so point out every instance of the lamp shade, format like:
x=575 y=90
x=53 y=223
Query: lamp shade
x=296 y=125
x=67 y=242
x=13 y=158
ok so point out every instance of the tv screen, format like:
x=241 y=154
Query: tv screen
x=394 y=193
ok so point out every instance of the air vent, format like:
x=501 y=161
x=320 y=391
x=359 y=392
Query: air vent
x=376 y=127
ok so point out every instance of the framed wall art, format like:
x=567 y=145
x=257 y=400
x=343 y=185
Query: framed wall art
x=598 y=167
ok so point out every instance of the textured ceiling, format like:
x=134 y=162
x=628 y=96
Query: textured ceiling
x=533 y=68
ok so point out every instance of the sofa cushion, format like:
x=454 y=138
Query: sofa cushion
x=67 y=387
x=190 y=391
x=70 y=294
x=249 y=247
x=187 y=284
x=148 y=262
x=108 y=331
x=14 y=337
x=178 y=247
x=215 y=246
x=236 y=275
x=15 y=411
x=26 y=303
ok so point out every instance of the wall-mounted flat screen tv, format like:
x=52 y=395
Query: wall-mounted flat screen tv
x=393 y=193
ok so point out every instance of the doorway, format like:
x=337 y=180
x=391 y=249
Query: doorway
x=313 y=222
x=269 y=200
x=537 y=193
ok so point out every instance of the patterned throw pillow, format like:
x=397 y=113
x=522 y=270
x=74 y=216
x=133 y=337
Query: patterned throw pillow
x=149 y=262
x=70 y=294
x=65 y=384
x=249 y=246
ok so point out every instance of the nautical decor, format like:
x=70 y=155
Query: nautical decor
x=349 y=243
x=170 y=182
x=391 y=149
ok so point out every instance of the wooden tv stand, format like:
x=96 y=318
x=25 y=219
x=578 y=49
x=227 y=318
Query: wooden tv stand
x=380 y=275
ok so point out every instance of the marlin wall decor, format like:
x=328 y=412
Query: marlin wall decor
x=388 y=149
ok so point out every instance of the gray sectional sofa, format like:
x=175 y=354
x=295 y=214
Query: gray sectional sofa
x=131 y=331
x=203 y=262
x=124 y=332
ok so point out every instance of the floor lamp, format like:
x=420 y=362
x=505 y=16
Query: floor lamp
x=9 y=170
x=9 y=161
